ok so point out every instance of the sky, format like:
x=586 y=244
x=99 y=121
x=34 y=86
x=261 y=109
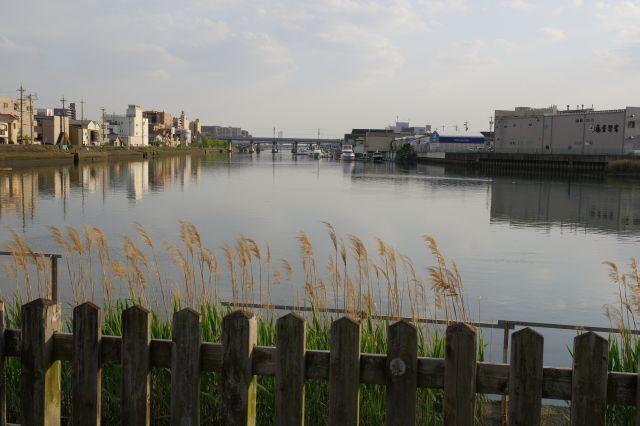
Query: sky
x=333 y=65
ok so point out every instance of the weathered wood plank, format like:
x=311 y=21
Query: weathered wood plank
x=185 y=368
x=460 y=375
x=344 y=372
x=525 y=378
x=3 y=377
x=40 y=374
x=402 y=374
x=239 y=334
x=211 y=357
x=87 y=372
x=136 y=339
x=290 y=369
x=589 y=380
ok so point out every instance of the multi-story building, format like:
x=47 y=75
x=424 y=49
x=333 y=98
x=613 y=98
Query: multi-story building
x=85 y=133
x=132 y=127
x=52 y=130
x=9 y=128
x=24 y=110
x=219 y=132
x=581 y=131
x=158 y=119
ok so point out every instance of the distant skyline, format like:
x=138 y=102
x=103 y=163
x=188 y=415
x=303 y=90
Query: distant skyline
x=328 y=64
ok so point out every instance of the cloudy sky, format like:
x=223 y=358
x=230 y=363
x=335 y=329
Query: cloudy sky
x=300 y=65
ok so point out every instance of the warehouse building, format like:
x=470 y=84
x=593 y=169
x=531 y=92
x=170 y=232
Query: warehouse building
x=581 y=131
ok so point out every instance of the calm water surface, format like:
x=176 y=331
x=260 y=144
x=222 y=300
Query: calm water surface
x=528 y=248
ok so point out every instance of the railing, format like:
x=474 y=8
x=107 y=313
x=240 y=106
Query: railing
x=40 y=347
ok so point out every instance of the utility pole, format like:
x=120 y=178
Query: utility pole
x=62 y=114
x=466 y=126
x=103 y=125
x=21 y=90
x=31 y=96
x=491 y=123
x=318 y=133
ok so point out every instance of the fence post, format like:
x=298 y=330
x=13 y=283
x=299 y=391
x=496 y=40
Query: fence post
x=136 y=340
x=290 y=369
x=3 y=377
x=525 y=378
x=460 y=375
x=87 y=371
x=344 y=372
x=185 y=368
x=402 y=374
x=40 y=375
x=589 y=380
x=53 y=263
x=239 y=335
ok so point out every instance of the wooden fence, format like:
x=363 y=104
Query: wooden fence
x=40 y=347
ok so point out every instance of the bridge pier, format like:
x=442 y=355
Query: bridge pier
x=294 y=148
x=274 y=147
x=257 y=148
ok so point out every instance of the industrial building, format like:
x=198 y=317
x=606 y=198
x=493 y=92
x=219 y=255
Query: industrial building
x=580 y=131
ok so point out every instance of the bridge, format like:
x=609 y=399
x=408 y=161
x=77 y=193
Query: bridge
x=249 y=142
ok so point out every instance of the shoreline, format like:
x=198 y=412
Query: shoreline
x=24 y=156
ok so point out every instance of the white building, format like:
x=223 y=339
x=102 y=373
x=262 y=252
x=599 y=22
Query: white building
x=132 y=128
x=582 y=131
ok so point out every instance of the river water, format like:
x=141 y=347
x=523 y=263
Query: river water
x=528 y=248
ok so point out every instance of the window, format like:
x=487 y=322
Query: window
x=631 y=124
x=5 y=105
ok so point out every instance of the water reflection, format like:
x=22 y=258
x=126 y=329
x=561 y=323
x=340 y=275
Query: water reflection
x=588 y=205
x=20 y=191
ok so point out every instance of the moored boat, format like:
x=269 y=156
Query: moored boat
x=347 y=153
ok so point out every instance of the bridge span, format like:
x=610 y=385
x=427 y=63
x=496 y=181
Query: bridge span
x=248 y=142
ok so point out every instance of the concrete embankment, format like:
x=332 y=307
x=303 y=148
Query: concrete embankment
x=602 y=164
x=21 y=156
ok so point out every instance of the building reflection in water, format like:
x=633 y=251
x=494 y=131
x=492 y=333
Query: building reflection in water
x=590 y=205
x=21 y=190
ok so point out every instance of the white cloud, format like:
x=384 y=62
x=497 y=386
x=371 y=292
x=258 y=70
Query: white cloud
x=6 y=43
x=520 y=5
x=470 y=55
x=360 y=53
x=553 y=35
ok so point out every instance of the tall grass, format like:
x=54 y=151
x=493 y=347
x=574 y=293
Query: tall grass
x=624 y=347
x=355 y=280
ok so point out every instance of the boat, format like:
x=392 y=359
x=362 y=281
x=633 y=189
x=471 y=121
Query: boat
x=316 y=154
x=347 y=153
x=377 y=157
x=303 y=151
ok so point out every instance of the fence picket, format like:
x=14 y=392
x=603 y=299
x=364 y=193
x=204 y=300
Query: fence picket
x=290 y=370
x=185 y=368
x=589 y=380
x=402 y=374
x=460 y=375
x=40 y=374
x=87 y=374
x=3 y=377
x=239 y=334
x=136 y=340
x=525 y=378
x=344 y=372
